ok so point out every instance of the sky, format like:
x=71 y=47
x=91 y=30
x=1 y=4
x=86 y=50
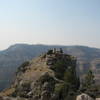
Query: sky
x=62 y=22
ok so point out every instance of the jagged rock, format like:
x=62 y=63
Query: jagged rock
x=44 y=86
x=11 y=98
x=46 y=95
x=36 y=97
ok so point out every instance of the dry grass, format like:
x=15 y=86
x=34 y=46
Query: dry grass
x=7 y=92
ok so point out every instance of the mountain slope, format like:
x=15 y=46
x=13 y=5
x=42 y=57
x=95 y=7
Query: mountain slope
x=51 y=76
x=11 y=58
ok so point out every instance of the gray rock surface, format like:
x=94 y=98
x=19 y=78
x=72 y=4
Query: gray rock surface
x=84 y=96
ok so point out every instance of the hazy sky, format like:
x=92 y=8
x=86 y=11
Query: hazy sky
x=67 y=22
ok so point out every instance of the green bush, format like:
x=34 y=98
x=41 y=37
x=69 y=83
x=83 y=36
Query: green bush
x=89 y=80
x=61 y=90
x=71 y=78
x=50 y=52
x=22 y=68
x=59 y=68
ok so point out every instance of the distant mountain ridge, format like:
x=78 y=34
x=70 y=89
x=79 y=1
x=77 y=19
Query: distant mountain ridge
x=11 y=58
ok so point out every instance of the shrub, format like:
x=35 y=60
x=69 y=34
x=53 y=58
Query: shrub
x=59 y=69
x=50 y=52
x=22 y=68
x=71 y=78
x=61 y=90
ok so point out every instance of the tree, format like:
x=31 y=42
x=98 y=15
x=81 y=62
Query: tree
x=71 y=78
x=50 y=52
x=61 y=51
x=89 y=80
x=89 y=86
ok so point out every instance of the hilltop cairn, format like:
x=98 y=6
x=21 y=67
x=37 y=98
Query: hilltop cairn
x=51 y=76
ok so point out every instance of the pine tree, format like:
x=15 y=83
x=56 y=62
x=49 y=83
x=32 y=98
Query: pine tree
x=89 y=79
x=71 y=78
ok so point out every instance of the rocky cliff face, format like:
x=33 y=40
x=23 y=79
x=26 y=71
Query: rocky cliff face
x=51 y=76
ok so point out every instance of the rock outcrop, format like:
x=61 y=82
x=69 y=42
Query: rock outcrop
x=51 y=76
x=84 y=96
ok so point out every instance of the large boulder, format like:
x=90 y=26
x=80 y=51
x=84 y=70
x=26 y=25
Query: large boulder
x=84 y=96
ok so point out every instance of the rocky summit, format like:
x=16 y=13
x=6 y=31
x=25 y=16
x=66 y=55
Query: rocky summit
x=51 y=76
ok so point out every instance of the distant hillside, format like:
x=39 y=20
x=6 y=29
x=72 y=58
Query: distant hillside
x=11 y=58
